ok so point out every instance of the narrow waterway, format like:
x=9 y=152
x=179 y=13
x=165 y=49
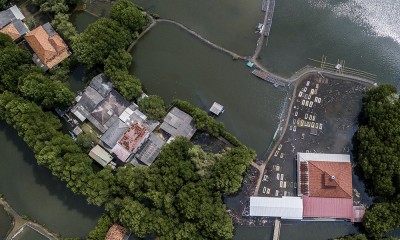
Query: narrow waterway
x=173 y=64
x=31 y=190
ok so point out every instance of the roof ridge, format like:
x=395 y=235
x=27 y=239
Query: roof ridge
x=338 y=182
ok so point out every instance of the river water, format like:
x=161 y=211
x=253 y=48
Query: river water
x=31 y=190
x=172 y=63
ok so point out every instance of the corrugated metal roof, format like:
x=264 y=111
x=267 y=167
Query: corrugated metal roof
x=284 y=207
x=17 y=13
x=323 y=157
x=100 y=155
x=341 y=208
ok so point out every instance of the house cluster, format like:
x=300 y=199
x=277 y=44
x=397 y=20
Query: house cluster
x=48 y=48
x=125 y=133
x=324 y=192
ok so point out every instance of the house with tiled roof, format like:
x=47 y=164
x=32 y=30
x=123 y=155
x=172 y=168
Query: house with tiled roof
x=11 y=23
x=48 y=47
x=325 y=185
x=117 y=232
x=130 y=142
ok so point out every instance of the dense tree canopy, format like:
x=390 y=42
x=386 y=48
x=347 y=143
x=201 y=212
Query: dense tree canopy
x=100 y=39
x=64 y=27
x=128 y=15
x=116 y=69
x=153 y=106
x=379 y=142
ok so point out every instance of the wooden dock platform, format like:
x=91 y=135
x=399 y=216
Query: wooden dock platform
x=267 y=77
x=277 y=229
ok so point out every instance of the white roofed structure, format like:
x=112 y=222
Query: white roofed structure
x=322 y=157
x=284 y=207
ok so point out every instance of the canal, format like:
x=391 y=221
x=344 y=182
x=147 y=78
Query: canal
x=32 y=191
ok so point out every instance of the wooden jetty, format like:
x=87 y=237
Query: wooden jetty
x=267 y=77
x=277 y=229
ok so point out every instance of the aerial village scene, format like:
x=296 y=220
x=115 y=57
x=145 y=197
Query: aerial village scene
x=173 y=119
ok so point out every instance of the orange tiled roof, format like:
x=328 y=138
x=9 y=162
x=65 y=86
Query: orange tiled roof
x=330 y=179
x=50 y=50
x=11 y=31
x=116 y=232
x=133 y=137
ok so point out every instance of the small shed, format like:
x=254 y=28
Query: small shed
x=77 y=130
x=100 y=155
x=217 y=108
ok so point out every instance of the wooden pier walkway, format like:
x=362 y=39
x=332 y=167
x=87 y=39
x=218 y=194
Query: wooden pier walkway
x=277 y=229
x=268 y=6
x=234 y=55
x=266 y=76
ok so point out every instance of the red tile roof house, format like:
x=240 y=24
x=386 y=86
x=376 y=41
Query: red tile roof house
x=130 y=142
x=117 y=232
x=325 y=184
x=50 y=49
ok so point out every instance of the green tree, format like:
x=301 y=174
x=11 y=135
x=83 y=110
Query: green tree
x=44 y=91
x=54 y=6
x=101 y=229
x=64 y=26
x=5 y=40
x=128 y=15
x=85 y=141
x=154 y=106
x=379 y=220
x=132 y=215
x=99 y=40
x=3 y=4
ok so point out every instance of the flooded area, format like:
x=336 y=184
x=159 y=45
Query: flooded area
x=31 y=190
x=311 y=28
x=323 y=119
x=229 y=23
x=82 y=19
x=188 y=69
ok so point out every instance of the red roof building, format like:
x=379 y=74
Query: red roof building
x=325 y=183
x=320 y=207
x=131 y=141
x=116 y=232
x=50 y=49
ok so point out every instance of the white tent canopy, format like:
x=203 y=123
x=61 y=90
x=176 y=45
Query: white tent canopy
x=284 y=207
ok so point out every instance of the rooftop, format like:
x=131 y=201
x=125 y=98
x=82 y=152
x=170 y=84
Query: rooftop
x=48 y=46
x=284 y=207
x=11 y=23
x=116 y=232
x=100 y=155
x=321 y=207
x=216 y=108
x=130 y=141
x=330 y=179
x=178 y=123
x=100 y=104
x=114 y=133
x=324 y=175
x=150 y=150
